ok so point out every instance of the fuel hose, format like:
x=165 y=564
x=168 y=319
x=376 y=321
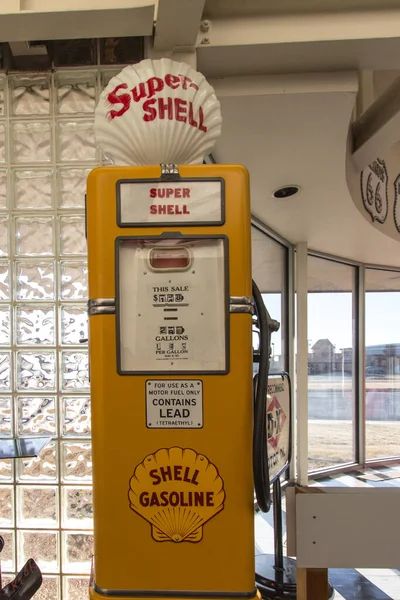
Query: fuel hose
x=260 y=455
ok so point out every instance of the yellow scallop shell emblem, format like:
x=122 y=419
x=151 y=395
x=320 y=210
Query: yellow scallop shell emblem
x=177 y=491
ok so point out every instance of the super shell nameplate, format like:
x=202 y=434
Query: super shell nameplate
x=177 y=491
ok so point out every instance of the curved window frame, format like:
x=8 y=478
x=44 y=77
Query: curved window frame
x=288 y=314
x=379 y=460
x=359 y=370
x=358 y=430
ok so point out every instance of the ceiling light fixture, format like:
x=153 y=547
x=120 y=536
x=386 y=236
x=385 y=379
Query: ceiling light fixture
x=286 y=191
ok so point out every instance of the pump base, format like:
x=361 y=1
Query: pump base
x=276 y=585
x=94 y=595
x=98 y=595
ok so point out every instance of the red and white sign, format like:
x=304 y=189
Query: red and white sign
x=278 y=424
x=276 y=421
x=157 y=112
x=171 y=202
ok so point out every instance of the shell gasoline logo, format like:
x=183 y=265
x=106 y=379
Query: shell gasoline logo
x=275 y=421
x=177 y=491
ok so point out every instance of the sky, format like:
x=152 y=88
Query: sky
x=330 y=316
x=382 y=318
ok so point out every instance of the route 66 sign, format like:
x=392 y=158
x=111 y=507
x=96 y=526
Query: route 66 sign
x=374 y=190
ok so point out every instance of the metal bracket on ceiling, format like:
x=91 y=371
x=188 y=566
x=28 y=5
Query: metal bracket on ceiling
x=204 y=36
x=169 y=172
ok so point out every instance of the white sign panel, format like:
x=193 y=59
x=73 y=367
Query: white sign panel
x=174 y=404
x=171 y=202
x=172 y=305
x=278 y=424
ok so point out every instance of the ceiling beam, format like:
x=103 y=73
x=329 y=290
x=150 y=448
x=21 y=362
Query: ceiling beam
x=177 y=24
x=70 y=19
x=378 y=128
x=310 y=27
x=280 y=84
x=288 y=43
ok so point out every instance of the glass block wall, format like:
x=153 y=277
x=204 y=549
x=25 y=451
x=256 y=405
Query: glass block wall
x=47 y=148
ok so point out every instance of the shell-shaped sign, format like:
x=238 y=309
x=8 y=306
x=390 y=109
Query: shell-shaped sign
x=157 y=111
x=177 y=491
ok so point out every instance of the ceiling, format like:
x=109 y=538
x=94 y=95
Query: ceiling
x=291 y=77
x=324 y=275
x=292 y=137
x=287 y=36
x=287 y=74
x=24 y=20
x=222 y=8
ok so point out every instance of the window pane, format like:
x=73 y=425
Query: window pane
x=269 y=260
x=382 y=363
x=31 y=142
x=35 y=325
x=33 y=189
x=6 y=428
x=34 y=236
x=34 y=280
x=7 y=506
x=30 y=94
x=75 y=588
x=43 y=545
x=37 y=506
x=44 y=373
x=41 y=468
x=77 y=549
x=330 y=363
x=36 y=416
x=3 y=144
x=76 y=92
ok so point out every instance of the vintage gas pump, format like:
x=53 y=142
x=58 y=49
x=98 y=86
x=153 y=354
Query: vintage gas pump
x=170 y=346
x=171 y=375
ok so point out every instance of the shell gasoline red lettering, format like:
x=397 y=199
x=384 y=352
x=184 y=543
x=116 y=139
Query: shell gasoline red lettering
x=177 y=491
x=163 y=108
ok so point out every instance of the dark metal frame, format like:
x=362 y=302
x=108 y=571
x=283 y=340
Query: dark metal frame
x=187 y=222
x=168 y=236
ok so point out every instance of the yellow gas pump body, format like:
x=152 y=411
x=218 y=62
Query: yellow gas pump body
x=173 y=506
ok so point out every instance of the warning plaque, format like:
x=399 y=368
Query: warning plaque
x=174 y=403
